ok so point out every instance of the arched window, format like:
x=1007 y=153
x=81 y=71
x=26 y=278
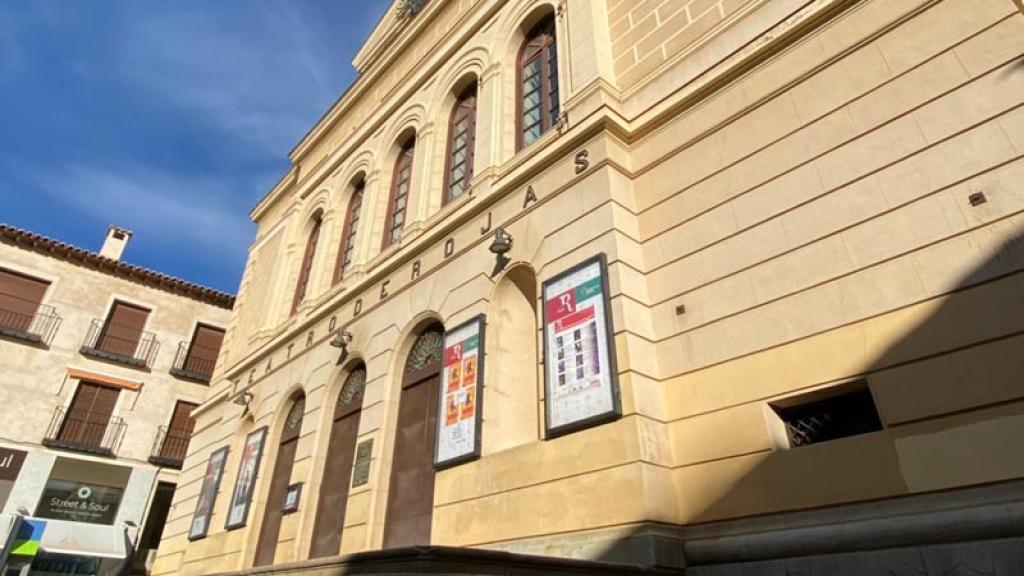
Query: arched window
x=538 y=86
x=399 y=199
x=306 y=271
x=266 y=546
x=411 y=495
x=330 y=513
x=348 y=234
x=461 y=142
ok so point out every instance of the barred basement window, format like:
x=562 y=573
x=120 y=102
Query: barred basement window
x=811 y=418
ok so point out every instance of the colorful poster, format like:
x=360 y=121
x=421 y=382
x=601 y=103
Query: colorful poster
x=208 y=494
x=579 y=363
x=458 y=424
x=245 y=482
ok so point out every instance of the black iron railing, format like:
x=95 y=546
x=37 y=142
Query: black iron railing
x=84 y=434
x=127 y=346
x=169 y=448
x=38 y=328
x=194 y=362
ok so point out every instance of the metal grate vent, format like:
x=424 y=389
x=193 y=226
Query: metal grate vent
x=840 y=416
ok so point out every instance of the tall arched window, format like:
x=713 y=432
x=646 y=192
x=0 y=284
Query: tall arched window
x=306 y=271
x=538 y=86
x=266 y=546
x=399 y=199
x=346 y=253
x=411 y=495
x=330 y=513
x=461 y=142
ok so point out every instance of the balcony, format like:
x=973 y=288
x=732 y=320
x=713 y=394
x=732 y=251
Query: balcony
x=137 y=349
x=194 y=362
x=169 y=448
x=39 y=328
x=90 y=435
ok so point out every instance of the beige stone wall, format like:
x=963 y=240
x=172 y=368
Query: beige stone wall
x=797 y=178
x=34 y=380
x=646 y=35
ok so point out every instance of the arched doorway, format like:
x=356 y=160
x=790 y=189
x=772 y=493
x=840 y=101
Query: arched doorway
x=512 y=407
x=330 y=513
x=266 y=546
x=411 y=495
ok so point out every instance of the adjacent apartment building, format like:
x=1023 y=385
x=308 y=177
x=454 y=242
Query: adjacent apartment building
x=101 y=365
x=723 y=286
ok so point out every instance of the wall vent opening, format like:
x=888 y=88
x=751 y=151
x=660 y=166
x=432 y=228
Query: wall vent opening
x=826 y=415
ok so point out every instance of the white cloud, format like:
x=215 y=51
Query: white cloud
x=187 y=214
x=255 y=74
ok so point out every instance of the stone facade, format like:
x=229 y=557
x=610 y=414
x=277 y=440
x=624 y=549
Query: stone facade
x=39 y=379
x=794 y=197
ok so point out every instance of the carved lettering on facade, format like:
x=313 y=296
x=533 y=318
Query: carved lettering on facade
x=531 y=196
x=486 y=227
x=415 y=270
x=449 y=247
x=582 y=161
x=384 y=288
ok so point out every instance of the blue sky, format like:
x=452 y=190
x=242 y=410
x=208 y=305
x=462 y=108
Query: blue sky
x=168 y=118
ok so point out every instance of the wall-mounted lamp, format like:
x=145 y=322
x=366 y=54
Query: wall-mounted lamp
x=341 y=340
x=500 y=246
x=244 y=399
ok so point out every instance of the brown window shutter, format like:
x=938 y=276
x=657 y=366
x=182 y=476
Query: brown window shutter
x=89 y=414
x=203 y=351
x=20 y=297
x=123 y=329
x=179 y=431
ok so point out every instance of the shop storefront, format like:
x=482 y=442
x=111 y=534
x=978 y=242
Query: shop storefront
x=79 y=524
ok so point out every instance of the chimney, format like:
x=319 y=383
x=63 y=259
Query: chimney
x=117 y=239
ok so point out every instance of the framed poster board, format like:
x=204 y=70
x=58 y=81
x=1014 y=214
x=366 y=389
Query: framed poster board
x=460 y=413
x=245 y=482
x=208 y=494
x=580 y=374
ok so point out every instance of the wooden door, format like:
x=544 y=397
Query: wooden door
x=411 y=497
x=89 y=415
x=266 y=546
x=330 y=514
x=123 y=329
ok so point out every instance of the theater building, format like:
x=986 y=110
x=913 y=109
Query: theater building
x=101 y=365
x=722 y=286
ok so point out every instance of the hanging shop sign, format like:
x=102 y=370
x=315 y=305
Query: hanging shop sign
x=245 y=482
x=208 y=494
x=580 y=375
x=458 y=422
x=10 y=463
x=77 y=502
x=27 y=539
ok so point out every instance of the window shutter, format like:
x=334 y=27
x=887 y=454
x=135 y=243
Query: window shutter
x=123 y=329
x=202 y=353
x=20 y=297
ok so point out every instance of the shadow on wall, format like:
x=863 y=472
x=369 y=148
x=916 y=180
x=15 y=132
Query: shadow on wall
x=950 y=396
